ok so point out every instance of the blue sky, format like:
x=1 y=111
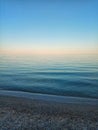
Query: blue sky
x=43 y=24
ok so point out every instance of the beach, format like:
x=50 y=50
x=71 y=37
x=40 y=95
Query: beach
x=48 y=65
x=22 y=111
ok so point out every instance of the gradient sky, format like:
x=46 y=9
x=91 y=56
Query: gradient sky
x=40 y=26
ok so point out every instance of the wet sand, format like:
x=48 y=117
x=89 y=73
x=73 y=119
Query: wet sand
x=23 y=113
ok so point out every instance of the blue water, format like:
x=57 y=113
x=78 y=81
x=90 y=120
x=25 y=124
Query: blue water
x=68 y=76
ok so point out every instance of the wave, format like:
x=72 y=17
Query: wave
x=58 y=79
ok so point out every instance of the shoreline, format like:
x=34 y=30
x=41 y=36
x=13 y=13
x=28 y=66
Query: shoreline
x=23 y=111
x=50 y=98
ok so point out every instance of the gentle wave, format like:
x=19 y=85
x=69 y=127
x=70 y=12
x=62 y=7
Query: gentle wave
x=58 y=78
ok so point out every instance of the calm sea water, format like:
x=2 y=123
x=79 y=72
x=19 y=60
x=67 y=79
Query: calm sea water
x=68 y=76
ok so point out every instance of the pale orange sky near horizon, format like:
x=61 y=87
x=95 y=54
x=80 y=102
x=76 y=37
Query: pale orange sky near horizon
x=48 y=51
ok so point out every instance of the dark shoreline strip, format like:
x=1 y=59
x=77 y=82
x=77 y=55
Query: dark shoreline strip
x=51 y=98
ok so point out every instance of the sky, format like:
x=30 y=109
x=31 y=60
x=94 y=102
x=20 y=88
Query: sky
x=49 y=26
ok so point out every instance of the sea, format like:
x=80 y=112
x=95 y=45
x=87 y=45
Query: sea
x=75 y=76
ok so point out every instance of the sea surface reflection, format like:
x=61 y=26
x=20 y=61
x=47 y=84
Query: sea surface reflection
x=58 y=75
